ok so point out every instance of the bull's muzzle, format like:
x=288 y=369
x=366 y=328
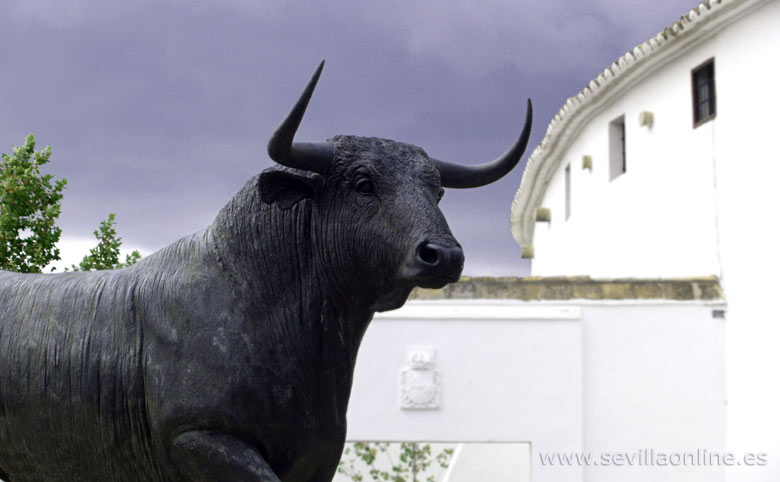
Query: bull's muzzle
x=437 y=265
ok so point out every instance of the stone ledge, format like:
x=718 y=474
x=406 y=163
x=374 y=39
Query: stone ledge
x=536 y=288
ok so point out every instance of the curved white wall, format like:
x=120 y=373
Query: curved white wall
x=659 y=219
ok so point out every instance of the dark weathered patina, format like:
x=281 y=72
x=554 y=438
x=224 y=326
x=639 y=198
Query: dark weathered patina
x=228 y=356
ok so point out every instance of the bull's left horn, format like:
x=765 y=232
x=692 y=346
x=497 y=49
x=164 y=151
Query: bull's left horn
x=308 y=156
x=457 y=176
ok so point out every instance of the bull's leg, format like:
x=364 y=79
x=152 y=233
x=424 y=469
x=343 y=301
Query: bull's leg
x=331 y=457
x=210 y=456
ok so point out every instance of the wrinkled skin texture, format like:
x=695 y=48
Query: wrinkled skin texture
x=227 y=356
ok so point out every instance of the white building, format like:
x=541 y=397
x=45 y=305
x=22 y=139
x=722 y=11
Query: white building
x=638 y=181
x=649 y=224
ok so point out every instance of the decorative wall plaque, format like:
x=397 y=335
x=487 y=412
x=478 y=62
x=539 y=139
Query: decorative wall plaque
x=420 y=383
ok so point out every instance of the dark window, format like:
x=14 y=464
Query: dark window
x=703 y=83
x=617 y=147
x=568 y=190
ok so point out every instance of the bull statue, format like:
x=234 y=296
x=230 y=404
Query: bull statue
x=229 y=355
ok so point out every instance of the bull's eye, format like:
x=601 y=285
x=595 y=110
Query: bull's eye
x=364 y=186
x=440 y=195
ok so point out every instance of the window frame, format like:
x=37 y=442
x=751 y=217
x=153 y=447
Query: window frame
x=567 y=189
x=616 y=136
x=695 y=101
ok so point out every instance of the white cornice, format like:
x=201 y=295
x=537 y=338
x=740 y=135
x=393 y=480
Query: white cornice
x=706 y=19
x=480 y=310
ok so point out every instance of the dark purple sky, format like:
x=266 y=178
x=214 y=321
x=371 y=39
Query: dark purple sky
x=159 y=111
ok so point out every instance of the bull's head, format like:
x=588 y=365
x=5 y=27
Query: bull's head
x=375 y=201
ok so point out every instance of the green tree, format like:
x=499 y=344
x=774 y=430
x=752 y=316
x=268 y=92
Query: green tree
x=413 y=464
x=29 y=207
x=106 y=254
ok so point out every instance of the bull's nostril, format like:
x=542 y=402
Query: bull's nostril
x=428 y=255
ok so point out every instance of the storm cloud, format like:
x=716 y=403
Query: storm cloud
x=159 y=111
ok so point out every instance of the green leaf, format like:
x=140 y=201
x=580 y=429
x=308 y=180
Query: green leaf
x=29 y=207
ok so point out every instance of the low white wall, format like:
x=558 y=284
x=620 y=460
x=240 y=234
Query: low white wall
x=509 y=373
x=654 y=378
x=565 y=377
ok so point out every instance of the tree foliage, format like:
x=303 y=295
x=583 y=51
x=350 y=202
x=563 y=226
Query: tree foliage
x=106 y=254
x=30 y=203
x=413 y=464
x=29 y=207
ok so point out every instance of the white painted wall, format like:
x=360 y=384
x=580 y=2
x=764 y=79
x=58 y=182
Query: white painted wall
x=496 y=462
x=509 y=373
x=568 y=377
x=748 y=170
x=659 y=219
x=653 y=378
x=694 y=202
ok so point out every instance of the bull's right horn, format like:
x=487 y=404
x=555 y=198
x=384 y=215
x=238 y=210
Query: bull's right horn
x=308 y=156
x=457 y=176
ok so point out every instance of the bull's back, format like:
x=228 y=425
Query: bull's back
x=71 y=385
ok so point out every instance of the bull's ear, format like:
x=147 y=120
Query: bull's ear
x=286 y=189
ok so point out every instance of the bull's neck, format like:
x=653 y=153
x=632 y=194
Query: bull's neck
x=267 y=255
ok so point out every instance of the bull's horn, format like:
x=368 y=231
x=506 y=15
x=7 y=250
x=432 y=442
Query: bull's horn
x=308 y=156
x=457 y=176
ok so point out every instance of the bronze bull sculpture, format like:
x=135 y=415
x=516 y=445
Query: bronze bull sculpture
x=228 y=356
